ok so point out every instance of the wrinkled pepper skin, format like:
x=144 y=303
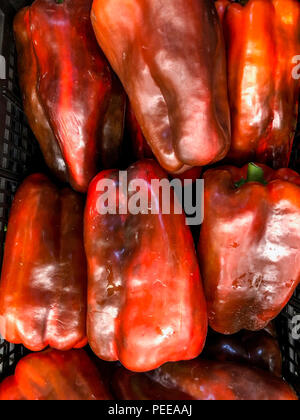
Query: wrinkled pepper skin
x=258 y=349
x=141 y=149
x=73 y=102
x=44 y=276
x=262 y=39
x=170 y=57
x=54 y=375
x=249 y=246
x=145 y=299
x=202 y=380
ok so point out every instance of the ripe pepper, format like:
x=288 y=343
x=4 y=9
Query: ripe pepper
x=202 y=380
x=54 y=375
x=73 y=102
x=170 y=58
x=43 y=281
x=145 y=299
x=262 y=39
x=258 y=349
x=249 y=245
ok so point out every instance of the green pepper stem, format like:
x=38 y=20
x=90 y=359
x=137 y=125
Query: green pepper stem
x=255 y=174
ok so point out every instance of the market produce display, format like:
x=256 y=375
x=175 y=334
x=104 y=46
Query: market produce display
x=44 y=280
x=126 y=99
x=54 y=375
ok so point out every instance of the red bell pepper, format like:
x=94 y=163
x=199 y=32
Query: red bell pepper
x=249 y=245
x=43 y=281
x=74 y=104
x=262 y=38
x=145 y=299
x=28 y=73
x=54 y=375
x=258 y=349
x=170 y=57
x=202 y=380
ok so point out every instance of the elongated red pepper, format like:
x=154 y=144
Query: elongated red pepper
x=258 y=349
x=43 y=281
x=170 y=58
x=201 y=380
x=249 y=245
x=28 y=76
x=263 y=39
x=145 y=299
x=54 y=375
x=74 y=104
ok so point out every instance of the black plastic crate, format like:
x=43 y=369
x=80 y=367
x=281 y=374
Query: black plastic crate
x=19 y=151
x=20 y=155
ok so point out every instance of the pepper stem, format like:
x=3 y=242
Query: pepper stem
x=59 y=1
x=255 y=174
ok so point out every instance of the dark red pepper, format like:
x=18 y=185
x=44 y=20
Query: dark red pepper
x=44 y=280
x=145 y=299
x=202 y=380
x=73 y=102
x=258 y=349
x=54 y=375
x=249 y=245
x=170 y=57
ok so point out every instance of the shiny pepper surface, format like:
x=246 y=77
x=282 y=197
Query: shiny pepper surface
x=54 y=375
x=145 y=299
x=258 y=349
x=249 y=245
x=263 y=40
x=202 y=380
x=73 y=102
x=43 y=281
x=170 y=57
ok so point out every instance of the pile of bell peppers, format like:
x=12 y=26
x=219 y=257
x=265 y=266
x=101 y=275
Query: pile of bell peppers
x=171 y=89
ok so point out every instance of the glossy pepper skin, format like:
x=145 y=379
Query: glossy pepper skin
x=249 y=245
x=170 y=58
x=262 y=39
x=54 y=375
x=73 y=102
x=258 y=349
x=44 y=281
x=202 y=380
x=145 y=299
